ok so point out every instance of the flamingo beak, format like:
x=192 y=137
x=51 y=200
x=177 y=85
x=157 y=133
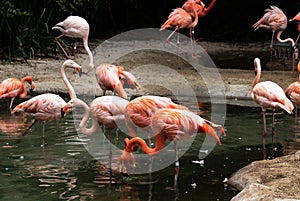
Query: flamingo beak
x=62 y=112
x=32 y=87
x=78 y=70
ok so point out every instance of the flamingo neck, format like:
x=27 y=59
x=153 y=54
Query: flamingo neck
x=24 y=93
x=89 y=52
x=211 y=5
x=67 y=83
x=85 y=118
x=159 y=144
x=284 y=40
x=195 y=22
x=257 y=77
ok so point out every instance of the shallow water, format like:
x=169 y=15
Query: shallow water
x=63 y=169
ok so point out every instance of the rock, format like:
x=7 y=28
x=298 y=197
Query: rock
x=276 y=179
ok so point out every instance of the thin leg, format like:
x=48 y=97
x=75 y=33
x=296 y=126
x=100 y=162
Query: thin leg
x=43 y=134
x=11 y=102
x=170 y=42
x=265 y=129
x=61 y=47
x=176 y=167
x=273 y=128
x=296 y=114
x=25 y=132
x=296 y=41
x=75 y=50
x=271 y=46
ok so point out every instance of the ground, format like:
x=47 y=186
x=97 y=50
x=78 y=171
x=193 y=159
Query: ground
x=167 y=74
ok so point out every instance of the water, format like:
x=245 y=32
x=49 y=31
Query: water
x=64 y=170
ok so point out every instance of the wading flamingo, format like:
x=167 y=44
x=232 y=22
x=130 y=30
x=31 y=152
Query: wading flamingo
x=105 y=110
x=180 y=19
x=297 y=20
x=274 y=19
x=76 y=27
x=13 y=87
x=111 y=77
x=171 y=125
x=47 y=107
x=293 y=92
x=268 y=95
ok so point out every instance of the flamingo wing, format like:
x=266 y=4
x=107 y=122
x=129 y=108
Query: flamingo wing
x=10 y=87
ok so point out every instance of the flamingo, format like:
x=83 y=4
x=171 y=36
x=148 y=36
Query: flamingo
x=274 y=19
x=297 y=20
x=76 y=27
x=172 y=125
x=293 y=92
x=180 y=19
x=111 y=77
x=105 y=110
x=268 y=95
x=200 y=7
x=13 y=87
x=47 y=107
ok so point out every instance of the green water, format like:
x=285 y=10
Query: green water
x=63 y=169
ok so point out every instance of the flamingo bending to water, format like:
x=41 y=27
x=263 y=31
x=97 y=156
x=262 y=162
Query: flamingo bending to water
x=171 y=125
x=47 y=107
x=268 y=95
x=274 y=19
x=293 y=92
x=111 y=77
x=105 y=110
x=76 y=27
x=13 y=87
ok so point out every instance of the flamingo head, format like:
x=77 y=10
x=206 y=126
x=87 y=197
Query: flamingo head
x=70 y=106
x=72 y=64
x=126 y=159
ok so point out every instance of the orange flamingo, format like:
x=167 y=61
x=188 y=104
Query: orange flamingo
x=297 y=20
x=268 y=95
x=171 y=125
x=180 y=19
x=200 y=7
x=76 y=27
x=111 y=77
x=274 y=19
x=293 y=92
x=13 y=87
x=105 y=110
x=47 y=107
x=139 y=111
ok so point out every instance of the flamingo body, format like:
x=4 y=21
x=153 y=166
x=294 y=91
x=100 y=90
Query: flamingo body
x=13 y=87
x=179 y=18
x=139 y=111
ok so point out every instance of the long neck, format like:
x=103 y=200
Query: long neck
x=67 y=83
x=24 y=93
x=85 y=118
x=196 y=17
x=256 y=80
x=159 y=144
x=284 y=40
x=211 y=5
x=87 y=49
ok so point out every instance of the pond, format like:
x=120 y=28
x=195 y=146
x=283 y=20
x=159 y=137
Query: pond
x=63 y=169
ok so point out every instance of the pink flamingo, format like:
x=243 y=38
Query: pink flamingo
x=105 y=110
x=293 y=92
x=111 y=77
x=13 y=87
x=180 y=19
x=47 y=107
x=274 y=19
x=76 y=27
x=172 y=125
x=297 y=20
x=268 y=95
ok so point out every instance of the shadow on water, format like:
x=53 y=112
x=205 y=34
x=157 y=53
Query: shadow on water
x=64 y=170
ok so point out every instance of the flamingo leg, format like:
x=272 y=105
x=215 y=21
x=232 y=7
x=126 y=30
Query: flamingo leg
x=296 y=41
x=271 y=46
x=110 y=150
x=273 y=127
x=11 y=102
x=61 y=47
x=43 y=134
x=75 y=50
x=193 y=41
x=171 y=43
x=265 y=129
x=26 y=131
x=296 y=114
x=176 y=167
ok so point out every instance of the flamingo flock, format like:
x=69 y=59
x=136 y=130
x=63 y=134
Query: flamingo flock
x=159 y=116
